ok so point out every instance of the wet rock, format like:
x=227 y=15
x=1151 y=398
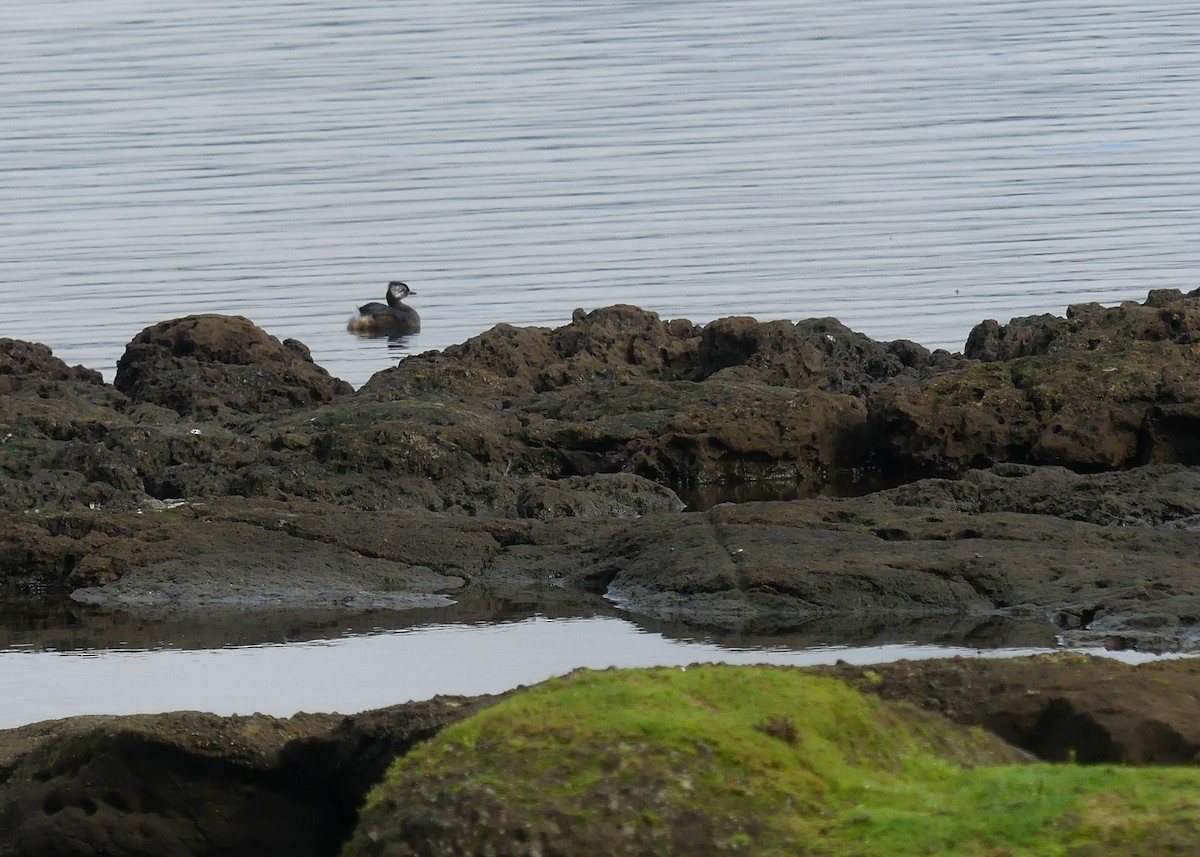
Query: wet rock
x=210 y=366
x=237 y=555
x=1154 y=495
x=760 y=567
x=589 y=431
x=773 y=566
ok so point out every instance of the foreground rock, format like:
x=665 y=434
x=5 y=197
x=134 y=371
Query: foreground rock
x=747 y=755
x=226 y=472
x=730 y=763
x=189 y=783
x=767 y=761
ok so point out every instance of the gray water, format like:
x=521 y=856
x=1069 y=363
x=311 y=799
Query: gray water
x=910 y=167
x=358 y=672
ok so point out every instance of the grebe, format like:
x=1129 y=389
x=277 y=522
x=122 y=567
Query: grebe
x=391 y=319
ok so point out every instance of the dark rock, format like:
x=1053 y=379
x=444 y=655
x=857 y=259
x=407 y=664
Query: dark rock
x=685 y=433
x=990 y=341
x=581 y=433
x=1145 y=496
x=620 y=391
x=774 y=353
x=1103 y=389
x=614 y=344
x=815 y=353
x=770 y=567
x=1061 y=707
x=530 y=464
x=25 y=363
x=189 y=783
x=46 y=407
x=475 y=428
x=616 y=495
x=206 y=366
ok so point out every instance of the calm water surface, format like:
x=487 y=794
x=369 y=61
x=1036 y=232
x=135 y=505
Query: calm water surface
x=910 y=167
x=356 y=673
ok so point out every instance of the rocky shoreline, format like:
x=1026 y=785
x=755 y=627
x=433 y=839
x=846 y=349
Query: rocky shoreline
x=1048 y=476
x=224 y=469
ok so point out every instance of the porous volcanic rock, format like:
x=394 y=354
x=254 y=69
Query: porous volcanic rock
x=1102 y=389
x=214 y=406
x=25 y=363
x=47 y=408
x=620 y=390
x=615 y=344
x=1167 y=315
x=205 y=366
x=818 y=353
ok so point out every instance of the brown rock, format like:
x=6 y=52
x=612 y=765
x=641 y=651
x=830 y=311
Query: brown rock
x=22 y=363
x=1059 y=707
x=208 y=366
x=1103 y=389
x=820 y=353
x=617 y=343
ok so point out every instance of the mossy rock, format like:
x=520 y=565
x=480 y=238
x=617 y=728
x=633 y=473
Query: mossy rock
x=751 y=760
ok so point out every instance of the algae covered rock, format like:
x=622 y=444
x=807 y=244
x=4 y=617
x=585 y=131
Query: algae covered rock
x=665 y=761
x=750 y=760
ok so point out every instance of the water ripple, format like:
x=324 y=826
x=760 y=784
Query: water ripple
x=909 y=168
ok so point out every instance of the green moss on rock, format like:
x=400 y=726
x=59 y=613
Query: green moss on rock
x=760 y=761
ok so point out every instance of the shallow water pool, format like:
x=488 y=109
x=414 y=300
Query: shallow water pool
x=361 y=671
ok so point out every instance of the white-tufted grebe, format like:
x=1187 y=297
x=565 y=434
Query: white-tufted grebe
x=391 y=319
